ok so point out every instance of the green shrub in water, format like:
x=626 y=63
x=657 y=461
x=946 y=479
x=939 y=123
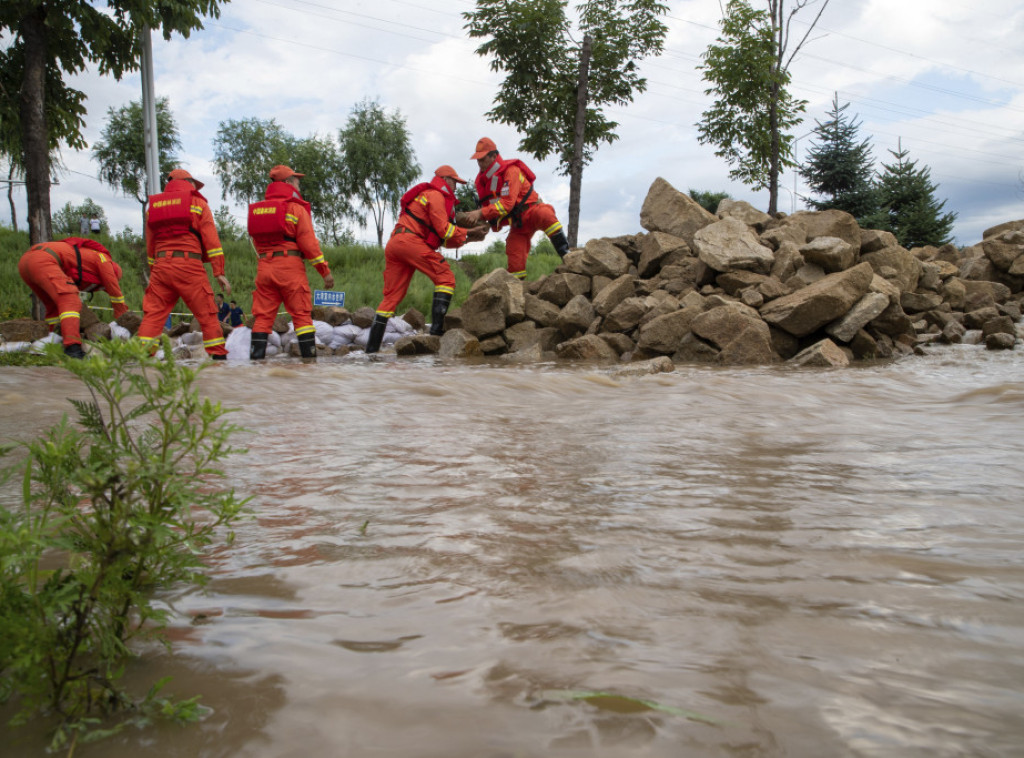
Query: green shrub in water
x=114 y=508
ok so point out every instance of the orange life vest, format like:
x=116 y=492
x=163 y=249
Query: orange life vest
x=267 y=221
x=431 y=237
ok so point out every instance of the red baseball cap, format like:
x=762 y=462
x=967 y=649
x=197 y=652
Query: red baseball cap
x=448 y=171
x=180 y=173
x=279 y=173
x=484 y=146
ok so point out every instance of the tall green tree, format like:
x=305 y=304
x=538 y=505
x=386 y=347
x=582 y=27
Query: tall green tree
x=839 y=167
x=909 y=208
x=56 y=38
x=324 y=186
x=63 y=110
x=244 y=151
x=561 y=76
x=708 y=199
x=380 y=165
x=121 y=148
x=747 y=69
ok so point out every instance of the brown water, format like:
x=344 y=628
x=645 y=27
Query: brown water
x=442 y=560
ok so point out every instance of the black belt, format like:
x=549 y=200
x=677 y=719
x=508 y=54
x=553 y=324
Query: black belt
x=179 y=254
x=282 y=254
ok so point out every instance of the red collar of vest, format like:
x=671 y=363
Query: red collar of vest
x=182 y=185
x=286 y=192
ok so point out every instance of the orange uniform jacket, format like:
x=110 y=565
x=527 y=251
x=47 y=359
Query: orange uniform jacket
x=431 y=210
x=98 y=268
x=500 y=188
x=201 y=239
x=298 y=225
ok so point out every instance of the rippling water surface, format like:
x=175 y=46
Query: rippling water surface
x=451 y=560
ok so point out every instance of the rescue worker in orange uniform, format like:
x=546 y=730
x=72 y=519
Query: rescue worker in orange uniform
x=57 y=271
x=426 y=223
x=281 y=228
x=507 y=197
x=180 y=237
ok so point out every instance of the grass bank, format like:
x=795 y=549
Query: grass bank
x=358 y=272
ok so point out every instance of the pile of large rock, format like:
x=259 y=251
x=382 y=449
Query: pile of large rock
x=741 y=287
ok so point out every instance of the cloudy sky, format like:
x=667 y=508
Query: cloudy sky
x=946 y=78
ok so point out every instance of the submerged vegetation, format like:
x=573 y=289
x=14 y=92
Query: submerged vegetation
x=114 y=508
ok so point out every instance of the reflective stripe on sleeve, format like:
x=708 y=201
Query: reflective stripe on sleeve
x=215 y=252
x=70 y=314
x=444 y=289
x=448 y=232
x=554 y=228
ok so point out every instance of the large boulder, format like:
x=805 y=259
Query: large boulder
x=668 y=210
x=659 y=249
x=818 y=304
x=728 y=245
x=559 y=288
x=614 y=293
x=745 y=212
x=896 y=264
x=822 y=354
x=831 y=253
x=665 y=333
x=458 y=343
x=589 y=347
x=598 y=258
x=864 y=311
x=576 y=316
x=830 y=223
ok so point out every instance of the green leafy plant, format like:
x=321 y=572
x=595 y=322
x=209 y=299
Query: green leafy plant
x=114 y=508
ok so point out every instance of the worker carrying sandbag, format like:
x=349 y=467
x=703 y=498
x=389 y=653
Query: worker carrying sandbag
x=281 y=229
x=427 y=222
x=180 y=237
x=57 y=271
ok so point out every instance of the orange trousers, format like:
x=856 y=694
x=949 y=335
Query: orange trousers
x=537 y=217
x=282 y=280
x=55 y=290
x=169 y=279
x=404 y=255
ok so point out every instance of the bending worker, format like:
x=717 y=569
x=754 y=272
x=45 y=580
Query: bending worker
x=507 y=197
x=57 y=271
x=425 y=224
x=281 y=228
x=180 y=237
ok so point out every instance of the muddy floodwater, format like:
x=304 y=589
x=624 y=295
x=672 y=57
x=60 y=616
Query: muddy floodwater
x=474 y=561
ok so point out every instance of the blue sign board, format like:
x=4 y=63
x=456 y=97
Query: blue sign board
x=328 y=297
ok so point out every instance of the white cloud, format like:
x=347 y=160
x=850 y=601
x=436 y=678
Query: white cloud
x=946 y=77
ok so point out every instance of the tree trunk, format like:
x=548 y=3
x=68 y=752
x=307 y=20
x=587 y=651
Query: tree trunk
x=34 y=131
x=579 y=132
x=35 y=139
x=773 y=160
x=10 y=197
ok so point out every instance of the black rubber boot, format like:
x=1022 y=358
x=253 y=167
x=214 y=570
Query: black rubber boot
x=216 y=357
x=307 y=345
x=74 y=351
x=438 y=309
x=258 y=348
x=380 y=324
x=561 y=243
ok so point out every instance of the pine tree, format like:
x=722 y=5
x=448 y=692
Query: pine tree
x=909 y=209
x=839 y=168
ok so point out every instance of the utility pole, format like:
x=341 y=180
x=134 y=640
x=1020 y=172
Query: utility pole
x=151 y=142
x=576 y=168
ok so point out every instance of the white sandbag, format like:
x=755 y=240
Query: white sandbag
x=399 y=326
x=191 y=339
x=361 y=338
x=119 y=332
x=238 y=343
x=286 y=340
x=274 y=340
x=345 y=335
x=15 y=347
x=272 y=350
x=324 y=332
